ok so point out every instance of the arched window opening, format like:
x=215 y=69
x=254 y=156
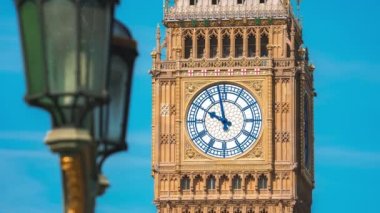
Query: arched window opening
x=212 y=210
x=236 y=183
x=200 y=46
x=237 y=210
x=224 y=210
x=213 y=46
x=211 y=183
x=263 y=1
x=188 y=46
x=263 y=211
x=226 y=46
x=251 y=210
x=185 y=183
x=215 y=2
x=240 y=1
x=264 y=45
x=198 y=211
x=238 y=46
x=186 y=210
x=193 y=2
x=251 y=45
x=263 y=181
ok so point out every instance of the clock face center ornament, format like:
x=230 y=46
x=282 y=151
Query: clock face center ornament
x=224 y=120
x=215 y=127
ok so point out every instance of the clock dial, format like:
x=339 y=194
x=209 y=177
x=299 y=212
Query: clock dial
x=224 y=120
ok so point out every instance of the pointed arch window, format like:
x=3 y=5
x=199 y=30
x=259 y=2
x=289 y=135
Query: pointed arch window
x=238 y=45
x=213 y=46
x=200 y=46
x=251 y=45
x=263 y=182
x=264 y=45
x=211 y=183
x=215 y=2
x=226 y=46
x=188 y=46
x=251 y=210
x=185 y=183
x=193 y=2
x=236 y=183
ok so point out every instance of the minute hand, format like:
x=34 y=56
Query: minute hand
x=224 y=120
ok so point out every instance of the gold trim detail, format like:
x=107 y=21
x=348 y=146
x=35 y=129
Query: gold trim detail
x=73 y=184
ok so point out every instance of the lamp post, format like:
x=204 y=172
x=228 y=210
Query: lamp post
x=66 y=48
x=108 y=123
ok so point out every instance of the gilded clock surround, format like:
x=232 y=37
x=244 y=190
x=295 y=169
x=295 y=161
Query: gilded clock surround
x=272 y=176
x=191 y=91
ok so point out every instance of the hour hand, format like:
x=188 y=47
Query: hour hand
x=213 y=115
x=224 y=121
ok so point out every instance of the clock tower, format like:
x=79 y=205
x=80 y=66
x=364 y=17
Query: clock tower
x=233 y=93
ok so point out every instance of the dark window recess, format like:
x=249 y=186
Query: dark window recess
x=263 y=1
x=264 y=46
x=200 y=47
x=211 y=183
x=288 y=53
x=240 y=1
x=263 y=181
x=238 y=46
x=251 y=46
x=213 y=46
x=185 y=183
x=226 y=46
x=188 y=46
x=193 y=2
x=215 y=2
x=236 y=182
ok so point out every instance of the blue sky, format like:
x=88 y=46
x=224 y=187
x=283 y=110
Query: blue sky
x=343 y=40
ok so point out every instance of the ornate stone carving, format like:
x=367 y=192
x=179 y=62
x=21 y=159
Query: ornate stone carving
x=281 y=107
x=168 y=139
x=191 y=88
x=256 y=152
x=190 y=153
x=257 y=86
x=282 y=137
x=165 y=109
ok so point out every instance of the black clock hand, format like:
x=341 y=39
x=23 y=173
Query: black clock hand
x=213 y=115
x=224 y=120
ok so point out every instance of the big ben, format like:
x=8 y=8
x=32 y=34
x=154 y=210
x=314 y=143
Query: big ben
x=232 y=127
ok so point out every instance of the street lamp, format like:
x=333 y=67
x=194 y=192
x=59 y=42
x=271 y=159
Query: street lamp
x=66 y=47
x=108 y=123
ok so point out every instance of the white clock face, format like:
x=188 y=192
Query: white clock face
x=224 y=120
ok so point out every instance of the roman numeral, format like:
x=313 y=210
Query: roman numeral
x=210 y=144
x=238 y=145
x=195 y=121
x=200 y=134
x=237 y=98
x=252 y=120
x=249 y=106
x=210 y=97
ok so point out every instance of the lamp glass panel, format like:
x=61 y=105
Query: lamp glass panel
x=117 y=91
x=34 y=61
x=95 y=21
x=61 y=33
